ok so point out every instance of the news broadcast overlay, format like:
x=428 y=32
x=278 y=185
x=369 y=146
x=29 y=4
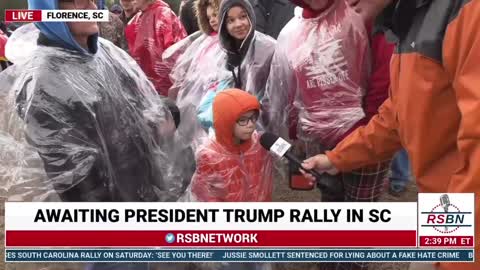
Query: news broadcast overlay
x=446 y=220
x=239 y=255
x=23 y=15
x=242 y=232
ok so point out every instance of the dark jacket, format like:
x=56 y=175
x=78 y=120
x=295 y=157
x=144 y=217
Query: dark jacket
x=125 y=19
x=272 y=15
x=174 y=5
x=3 y=28
x=188 y=16
x=92 y=135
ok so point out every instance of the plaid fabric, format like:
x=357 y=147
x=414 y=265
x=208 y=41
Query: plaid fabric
x=362 y=185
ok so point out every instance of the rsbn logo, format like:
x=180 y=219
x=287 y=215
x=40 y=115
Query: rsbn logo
x=446 y=217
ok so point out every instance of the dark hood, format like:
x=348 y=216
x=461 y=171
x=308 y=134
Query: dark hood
x=227 y=41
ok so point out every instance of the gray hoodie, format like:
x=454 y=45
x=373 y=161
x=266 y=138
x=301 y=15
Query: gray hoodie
x=249 y=63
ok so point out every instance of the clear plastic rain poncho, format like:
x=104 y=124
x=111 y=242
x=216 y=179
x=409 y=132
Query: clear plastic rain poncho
x=149 y=34
x=318 y=76
x=203 y=66
x=223 y=176
x=202 y=70
x=174 y=52
x=227 y=171
x=82 y=127
x=196 y=69
x=230 y=172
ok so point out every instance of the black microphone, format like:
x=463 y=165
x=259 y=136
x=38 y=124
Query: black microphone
x=281 y=147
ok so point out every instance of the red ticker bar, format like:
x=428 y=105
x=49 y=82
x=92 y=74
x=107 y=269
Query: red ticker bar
x=187 y=238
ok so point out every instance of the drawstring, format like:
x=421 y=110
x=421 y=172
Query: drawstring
x=237 y=79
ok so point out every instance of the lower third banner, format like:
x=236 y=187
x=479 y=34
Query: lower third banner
x=239 y=255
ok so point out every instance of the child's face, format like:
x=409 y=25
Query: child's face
x=245 y=126
x=316 y=4
x=212 y=18
x=238 y=23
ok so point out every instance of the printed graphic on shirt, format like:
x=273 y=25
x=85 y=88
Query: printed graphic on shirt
x=325 y=65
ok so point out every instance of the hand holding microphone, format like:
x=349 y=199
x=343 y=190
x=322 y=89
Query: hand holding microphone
x=320 y=163
x=309 y=167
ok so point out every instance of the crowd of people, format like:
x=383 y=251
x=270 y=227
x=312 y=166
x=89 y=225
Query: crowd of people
x=155 y=107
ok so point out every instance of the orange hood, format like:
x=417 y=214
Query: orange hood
x=228 y=106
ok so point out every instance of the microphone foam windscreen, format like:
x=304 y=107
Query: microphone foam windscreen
x=275 y=144
x=267 y=140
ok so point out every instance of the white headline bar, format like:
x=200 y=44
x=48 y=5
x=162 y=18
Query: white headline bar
x=209 y=216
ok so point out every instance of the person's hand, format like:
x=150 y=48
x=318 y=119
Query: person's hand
x=369 y=9
x=321 y=164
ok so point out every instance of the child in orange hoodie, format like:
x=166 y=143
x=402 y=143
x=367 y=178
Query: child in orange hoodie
x=233 y=167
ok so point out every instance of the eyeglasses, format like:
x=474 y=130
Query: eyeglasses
x=80 y=4
x=243 y=121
